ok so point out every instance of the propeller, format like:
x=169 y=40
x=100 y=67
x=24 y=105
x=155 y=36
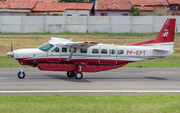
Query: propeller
x=11 y=46
x=11 y=54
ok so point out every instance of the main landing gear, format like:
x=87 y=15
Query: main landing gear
x=21 y=73
x=78 y=74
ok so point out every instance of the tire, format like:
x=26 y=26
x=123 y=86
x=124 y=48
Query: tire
x=70 y=74
x=21 y=75
x=78 y=75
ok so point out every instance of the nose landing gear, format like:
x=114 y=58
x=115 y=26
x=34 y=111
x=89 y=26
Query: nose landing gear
x=21 y=74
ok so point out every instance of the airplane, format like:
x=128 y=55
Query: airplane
x=88 y=56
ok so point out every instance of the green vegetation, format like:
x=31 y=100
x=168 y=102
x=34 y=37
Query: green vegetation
x=8 y=62
x=90 y=104
x=135 y=11
x=160 y=14
x=167 y=62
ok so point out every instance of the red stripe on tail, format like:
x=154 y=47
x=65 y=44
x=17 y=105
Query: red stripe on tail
x=165 y=35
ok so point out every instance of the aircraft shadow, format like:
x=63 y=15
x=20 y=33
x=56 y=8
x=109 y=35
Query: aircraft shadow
x=156 y=78
x=85 y=79
x=115 y=78
x=65 y=78
x=62 y=77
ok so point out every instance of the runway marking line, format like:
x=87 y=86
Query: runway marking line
x=95 y=91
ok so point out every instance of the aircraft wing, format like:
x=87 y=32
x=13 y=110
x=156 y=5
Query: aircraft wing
x=68 y=43
x=75 y=45
x=84 y=45
x=61 y=40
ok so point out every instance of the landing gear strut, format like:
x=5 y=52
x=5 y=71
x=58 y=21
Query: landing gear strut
x=21 y=73
x=79 y=74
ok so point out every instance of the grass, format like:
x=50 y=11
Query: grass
x=8 y=62
x=167 y=62
x=33 y=41
x=90 y=103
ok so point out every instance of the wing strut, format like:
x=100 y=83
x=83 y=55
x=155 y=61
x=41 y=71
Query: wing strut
x=72 y=51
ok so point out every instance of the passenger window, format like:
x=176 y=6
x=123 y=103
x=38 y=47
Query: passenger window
x=64 y=49
x=112 y=51
x=83 y=50
x=95 y=51
x=120 y=52
x=55 y=50
x=71 y=49
x=103 y=51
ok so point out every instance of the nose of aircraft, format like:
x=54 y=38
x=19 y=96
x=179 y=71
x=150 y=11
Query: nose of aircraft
x=10 y=54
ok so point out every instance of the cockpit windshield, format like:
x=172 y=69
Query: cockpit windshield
x=45 y=47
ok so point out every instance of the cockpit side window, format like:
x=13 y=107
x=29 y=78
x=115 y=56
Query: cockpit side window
x=45 y=47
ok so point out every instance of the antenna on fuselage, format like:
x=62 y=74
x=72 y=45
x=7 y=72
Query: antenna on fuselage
x=70 y=39
x=126 y=43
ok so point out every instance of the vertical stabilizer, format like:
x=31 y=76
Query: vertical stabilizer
x=165 y=35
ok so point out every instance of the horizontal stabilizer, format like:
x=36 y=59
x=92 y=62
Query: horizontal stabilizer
x=165 y=50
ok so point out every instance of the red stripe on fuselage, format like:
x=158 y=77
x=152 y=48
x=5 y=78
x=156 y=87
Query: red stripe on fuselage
x=73 y=61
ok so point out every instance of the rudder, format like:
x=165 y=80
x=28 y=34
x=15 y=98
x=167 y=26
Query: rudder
x=165 y=35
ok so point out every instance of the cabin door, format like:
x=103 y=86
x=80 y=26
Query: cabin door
x=54 y=55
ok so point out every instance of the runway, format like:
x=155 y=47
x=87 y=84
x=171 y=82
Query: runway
x=118 y=81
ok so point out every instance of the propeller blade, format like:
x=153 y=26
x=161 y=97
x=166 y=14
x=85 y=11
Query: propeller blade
x=12 y=51
x=11 y=46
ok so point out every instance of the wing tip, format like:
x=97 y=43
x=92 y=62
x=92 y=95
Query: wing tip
x=91 y=42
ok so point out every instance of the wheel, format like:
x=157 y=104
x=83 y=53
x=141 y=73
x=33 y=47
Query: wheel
x=78 y=75
x=21 y=75
x=70 y=74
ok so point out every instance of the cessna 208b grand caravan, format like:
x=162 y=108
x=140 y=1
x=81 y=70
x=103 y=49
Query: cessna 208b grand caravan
x=76 y=57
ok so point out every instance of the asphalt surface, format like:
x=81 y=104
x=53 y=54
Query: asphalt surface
x=117 y=81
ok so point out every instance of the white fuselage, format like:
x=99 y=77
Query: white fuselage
x=99 y=54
